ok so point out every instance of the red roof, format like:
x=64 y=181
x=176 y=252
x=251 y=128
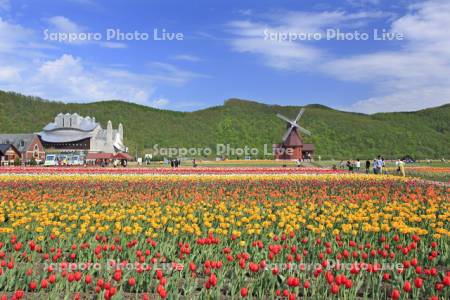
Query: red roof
x=100 y=155
x=308 y=147
x=123 y=155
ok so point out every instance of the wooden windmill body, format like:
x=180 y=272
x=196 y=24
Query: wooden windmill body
x=292 y=146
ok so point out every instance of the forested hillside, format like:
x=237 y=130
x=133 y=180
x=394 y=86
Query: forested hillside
x=337 y=134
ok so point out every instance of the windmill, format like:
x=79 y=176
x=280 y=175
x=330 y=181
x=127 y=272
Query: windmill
x=292 y=146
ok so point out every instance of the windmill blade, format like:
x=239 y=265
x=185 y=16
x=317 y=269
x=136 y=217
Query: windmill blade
x=305 y=131
x=287 y=133
x=284 y=118
x=299 y=114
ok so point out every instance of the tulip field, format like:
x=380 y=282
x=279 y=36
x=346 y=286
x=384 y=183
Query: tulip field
x=222 y=235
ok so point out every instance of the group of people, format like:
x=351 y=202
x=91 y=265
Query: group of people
x=174 y=163
x=378 y=166
x=351 y=165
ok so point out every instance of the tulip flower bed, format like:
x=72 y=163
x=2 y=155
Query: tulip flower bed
x=213 y=236
x=441 y=174
x=164 y=171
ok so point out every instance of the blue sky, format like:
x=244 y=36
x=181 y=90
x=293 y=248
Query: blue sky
x=225 y=52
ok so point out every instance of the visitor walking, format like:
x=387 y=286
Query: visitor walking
x=401 y=167
x=377 y=165
x=357 y=165
x=367 y=166
x=350 y=166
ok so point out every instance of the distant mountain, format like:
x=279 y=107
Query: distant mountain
x=336 y=134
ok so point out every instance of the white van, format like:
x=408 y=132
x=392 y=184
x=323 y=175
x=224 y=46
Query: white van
x=51 y=160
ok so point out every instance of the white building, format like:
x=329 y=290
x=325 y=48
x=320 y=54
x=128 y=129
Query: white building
x=73 y=132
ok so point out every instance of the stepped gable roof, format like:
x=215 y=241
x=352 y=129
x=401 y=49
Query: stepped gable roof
x=74 y=121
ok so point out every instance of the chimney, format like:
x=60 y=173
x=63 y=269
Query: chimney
x=121 y=131
x=109 y=133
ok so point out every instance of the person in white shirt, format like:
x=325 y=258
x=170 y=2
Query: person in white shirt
x=357 y=165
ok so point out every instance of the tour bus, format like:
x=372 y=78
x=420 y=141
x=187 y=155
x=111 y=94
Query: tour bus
x=51 y=160
x=75 y=160
x=64 y=160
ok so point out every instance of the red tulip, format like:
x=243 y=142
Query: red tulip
x=100 y=282
x=446 y=280
x=244 y=292
x=254 y=267
x=348 y=283
x=213 y=279
x=395 y=294
x=44 y=283
x=407 y=286
x=117 y=275
x=19 y=294
x=192 y=267
x=88 y=279
x=78 y=276
x=306 y=284
x=131 y=281
x=52 y=278
x=418 y=282
x=275 y=271
x=334 y=288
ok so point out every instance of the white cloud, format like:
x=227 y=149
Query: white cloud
x=13 y=36
x=68 y=78
x=171 y=74
x=186 y=57
x=159 y=103
x=414 y=77
x=63 y=24
x=5 y=5
x=114 y=45
x=410 y=99
x=251 y=36
x=26 y=69
x=361 y=3
x=276 y=54
x=84 y=2
x=245 y=12
x=9 y=74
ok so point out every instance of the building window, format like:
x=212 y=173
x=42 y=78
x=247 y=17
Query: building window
x=22 y=143
x=36 y=151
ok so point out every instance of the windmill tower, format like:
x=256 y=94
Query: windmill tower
x=292 y=146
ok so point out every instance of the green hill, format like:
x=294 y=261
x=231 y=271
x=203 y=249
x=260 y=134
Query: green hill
x=337 y=134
